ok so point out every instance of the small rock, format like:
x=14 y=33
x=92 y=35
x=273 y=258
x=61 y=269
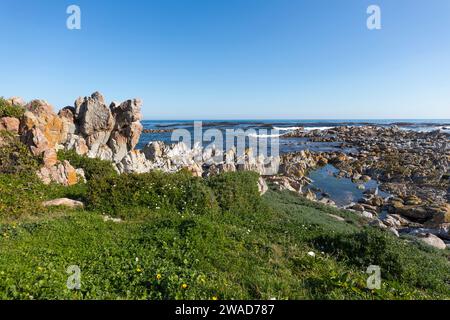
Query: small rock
x=367 y=215
x=262 y=186
x=394 y=231
x=338 y=218
x=63 y=202
x=432 y=240
x=377 y=223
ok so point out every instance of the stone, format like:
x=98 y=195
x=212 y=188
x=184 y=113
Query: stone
x=367 y=215
x=61 y=173
x=153 y=150
x=127 y=112
x=377 y=223
x=40 y=116
x=357 y=207
x=440 y=214
x=93 y=115
x=432 y=240
x=310 y=195
x=118 y=144
x=394 y=232
x=412 y=201
x=16 y=101
x=67 y=116
x=127 y=129
x=78 y=144
x=227 y=167
x=328 y=202
x=195 y=169
x=335 y=217
x=36 y=141
x=50 y=157
x=134 y=162
x=415 y=213
x=262 y=186
x=10 y=124
x=395 y=221
x=64 y=202
x=322 y=161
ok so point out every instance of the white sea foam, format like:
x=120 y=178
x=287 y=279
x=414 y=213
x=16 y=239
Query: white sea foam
x=303 y=128
x=287 y=128
x=318 y=128
x=266 y=135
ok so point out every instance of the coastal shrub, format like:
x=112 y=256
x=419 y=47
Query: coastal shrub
x=236 y=191
x=398 y=260
x=94 y=168
x=155 y=190
x=9 y=110
x=20 y=196
x=15 y=157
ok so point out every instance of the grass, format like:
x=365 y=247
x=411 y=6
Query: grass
x=183 y=237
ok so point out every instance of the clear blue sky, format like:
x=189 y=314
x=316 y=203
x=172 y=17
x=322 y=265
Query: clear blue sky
x=215 y=59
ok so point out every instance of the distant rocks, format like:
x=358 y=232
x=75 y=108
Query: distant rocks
x=157 y=130
x=411 y=166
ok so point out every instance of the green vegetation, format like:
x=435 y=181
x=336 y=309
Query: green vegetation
x=184 y=237
x=8 y=110
x=177 y=193
x=15 y=157
x=93 y=168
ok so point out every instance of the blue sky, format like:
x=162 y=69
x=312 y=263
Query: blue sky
x=216 y=59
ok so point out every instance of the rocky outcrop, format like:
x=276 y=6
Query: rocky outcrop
x=101 y=131
x=41 y=129
x=90 y=127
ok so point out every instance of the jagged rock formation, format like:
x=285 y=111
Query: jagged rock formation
x=94 y=129
x=99 y=131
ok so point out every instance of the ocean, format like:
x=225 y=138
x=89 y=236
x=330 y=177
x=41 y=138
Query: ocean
x=283 y=127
